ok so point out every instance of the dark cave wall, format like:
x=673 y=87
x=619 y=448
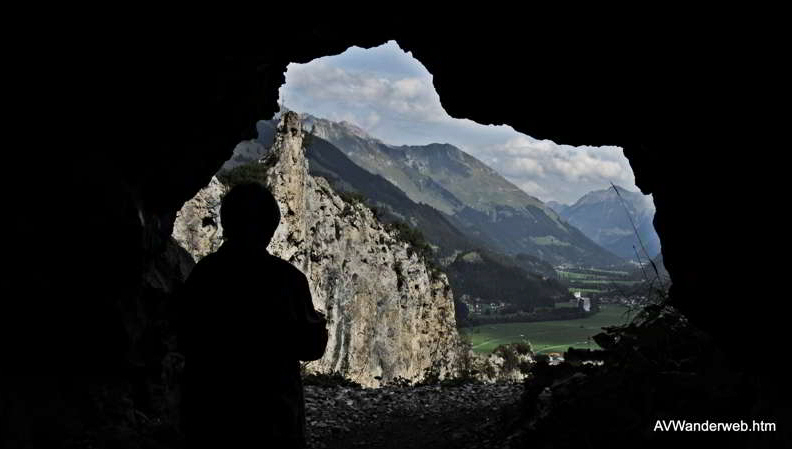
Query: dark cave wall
x=136 y=128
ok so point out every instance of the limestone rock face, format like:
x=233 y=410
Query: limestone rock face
x=388 y=315
x=197 y=226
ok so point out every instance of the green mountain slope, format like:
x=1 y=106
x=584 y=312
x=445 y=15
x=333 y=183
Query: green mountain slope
x=479 y=201
x=480 y=274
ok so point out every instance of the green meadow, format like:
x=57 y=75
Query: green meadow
x=607 y=282
x=547 y=336
x=616 y=272
x=585 y=290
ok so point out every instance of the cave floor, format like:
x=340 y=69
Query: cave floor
x=462 y=416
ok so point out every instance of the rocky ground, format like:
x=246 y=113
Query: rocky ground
x=471 y=415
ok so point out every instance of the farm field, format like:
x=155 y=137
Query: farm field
x=607 y=282
x=616 y=272
x=585 y=290
x=593 y=280
x=547 y=336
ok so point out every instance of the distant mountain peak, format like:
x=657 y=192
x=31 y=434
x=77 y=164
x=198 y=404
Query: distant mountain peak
x=327 y=129
x=355 y=129
x=611 y=220
x=608 y=194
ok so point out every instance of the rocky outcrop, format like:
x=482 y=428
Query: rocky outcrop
x=197 y=226
x=389 y=315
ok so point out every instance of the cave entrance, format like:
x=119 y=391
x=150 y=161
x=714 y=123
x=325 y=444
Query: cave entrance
x=379 y=107
x=539 y=245
x=488 y=203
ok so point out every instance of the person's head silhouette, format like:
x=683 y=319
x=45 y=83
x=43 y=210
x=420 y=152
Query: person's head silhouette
x=249 y=215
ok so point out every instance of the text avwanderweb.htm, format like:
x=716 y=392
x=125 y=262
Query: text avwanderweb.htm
x=681 y=425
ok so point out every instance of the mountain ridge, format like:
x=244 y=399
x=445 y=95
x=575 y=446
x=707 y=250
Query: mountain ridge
x=471 y=196
x=478 y=201
x=603 y=216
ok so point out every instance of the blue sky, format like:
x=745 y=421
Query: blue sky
x=390 y=94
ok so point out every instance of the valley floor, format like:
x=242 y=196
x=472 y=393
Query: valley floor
x=464 y=416
x=548 y=336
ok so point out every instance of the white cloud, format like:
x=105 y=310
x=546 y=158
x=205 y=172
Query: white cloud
x=390 y=95
x=521 y=166
x=409 y=87
x=563 y=172
x=372 y=120
x=361 y=93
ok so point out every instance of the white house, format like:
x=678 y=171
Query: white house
x=586 y=301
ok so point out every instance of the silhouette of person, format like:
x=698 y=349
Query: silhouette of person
x=245 y=320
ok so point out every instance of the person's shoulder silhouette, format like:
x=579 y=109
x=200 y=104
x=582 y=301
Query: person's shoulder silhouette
x=246 y=320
